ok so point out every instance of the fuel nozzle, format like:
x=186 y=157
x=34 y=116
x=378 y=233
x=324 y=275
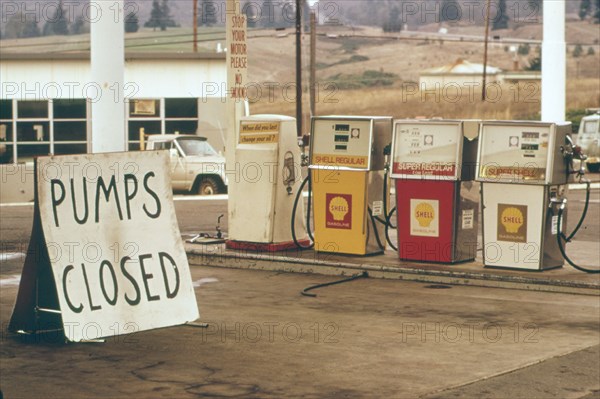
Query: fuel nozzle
x=572 y=152
x=218 y=227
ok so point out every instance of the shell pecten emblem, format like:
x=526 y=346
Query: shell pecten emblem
x=424 y=213
x=338 y=207
x=512 y=219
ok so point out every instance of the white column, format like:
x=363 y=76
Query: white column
x=108 y=73
x=554 y=62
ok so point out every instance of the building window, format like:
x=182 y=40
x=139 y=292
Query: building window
x=31 y=128
x=161 y=116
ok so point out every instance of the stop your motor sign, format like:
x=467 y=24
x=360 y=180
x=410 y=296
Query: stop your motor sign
x=106 y=256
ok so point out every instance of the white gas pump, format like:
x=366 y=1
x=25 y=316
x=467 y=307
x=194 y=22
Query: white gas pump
x=267 y=179
x=524 y=173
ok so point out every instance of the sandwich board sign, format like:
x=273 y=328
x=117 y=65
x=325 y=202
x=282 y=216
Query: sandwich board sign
x=105 y=256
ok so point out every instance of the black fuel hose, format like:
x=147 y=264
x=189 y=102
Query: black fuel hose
x=374 y=224
x=588 y=190
x=293 y=221
x=560 y=236
x=387 y=231
x=312 y=287
x=388 y=216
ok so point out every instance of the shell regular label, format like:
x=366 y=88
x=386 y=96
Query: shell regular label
x=512 y=223
x=424 y=218
x=339 y=211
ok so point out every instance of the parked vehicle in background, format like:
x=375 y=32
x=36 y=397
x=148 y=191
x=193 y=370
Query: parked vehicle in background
x=195 y=165
x=588 y=138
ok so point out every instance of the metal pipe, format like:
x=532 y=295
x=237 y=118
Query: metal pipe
x=299 y=67
x=108 y=72
x=554 y=67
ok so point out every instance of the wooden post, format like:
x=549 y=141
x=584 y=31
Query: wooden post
x=313 y=56
x=485 y=51
x=195 y=25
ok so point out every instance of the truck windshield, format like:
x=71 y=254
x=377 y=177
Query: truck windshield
x=192 y=146
x=590 y=126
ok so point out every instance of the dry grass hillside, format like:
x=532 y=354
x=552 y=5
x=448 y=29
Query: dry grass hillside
x=344 y=54
x=271 y=60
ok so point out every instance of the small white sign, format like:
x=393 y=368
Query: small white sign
x=377 y=208
x=468 y=219
x=554 y=229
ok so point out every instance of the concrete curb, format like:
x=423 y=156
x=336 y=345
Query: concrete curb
x=217 y=256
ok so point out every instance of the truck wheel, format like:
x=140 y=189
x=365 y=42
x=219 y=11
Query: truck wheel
x=207 y=186
x=593 y=167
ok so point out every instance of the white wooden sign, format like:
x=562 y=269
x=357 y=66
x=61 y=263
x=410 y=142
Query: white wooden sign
x=109 y=258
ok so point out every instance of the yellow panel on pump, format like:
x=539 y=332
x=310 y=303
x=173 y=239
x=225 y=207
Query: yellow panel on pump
x=340 y=212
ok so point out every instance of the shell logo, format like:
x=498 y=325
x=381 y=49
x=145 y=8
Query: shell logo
x=338 y=207
x=512 y=219
x=424 y=214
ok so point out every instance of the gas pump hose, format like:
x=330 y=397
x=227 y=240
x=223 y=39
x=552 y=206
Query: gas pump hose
x=374 y=224
x=560 y=236
x=388 y=216
x=312 y=287
x=294 y=209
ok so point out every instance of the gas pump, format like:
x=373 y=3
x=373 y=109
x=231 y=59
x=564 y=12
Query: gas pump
x=524 y=173
x=433 y=165
x=347 y=172
x=267 y=180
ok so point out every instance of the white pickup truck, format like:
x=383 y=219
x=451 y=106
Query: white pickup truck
x=588 y=139
x=195 y=165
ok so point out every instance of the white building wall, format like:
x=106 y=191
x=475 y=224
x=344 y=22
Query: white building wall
x=63 y=79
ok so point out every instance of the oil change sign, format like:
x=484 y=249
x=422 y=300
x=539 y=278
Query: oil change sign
x=109 y=254
x=259 y=132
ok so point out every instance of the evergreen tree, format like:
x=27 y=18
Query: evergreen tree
x=155 y=16
x=394 y=23
x=535 y=64
x=18 y=26
x=501 y=20
x=268 y=14
x=249 y=11
x=132 y=23
x=30 y=29
x=449 y=11
x=597 y=13
x=80 y=26
x=584 y=8
x=166 y=19
x=208 y=13
x=58 y=23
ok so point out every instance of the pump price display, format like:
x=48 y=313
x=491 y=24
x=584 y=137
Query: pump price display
x=514 y=152
x=426 y=149
x=341 y=143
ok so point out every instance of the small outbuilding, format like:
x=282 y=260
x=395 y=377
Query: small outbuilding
x=461 y=73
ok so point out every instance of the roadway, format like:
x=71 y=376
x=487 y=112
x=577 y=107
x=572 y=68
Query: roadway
x=367 y=338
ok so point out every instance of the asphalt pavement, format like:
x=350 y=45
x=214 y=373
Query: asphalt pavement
x=370 y=337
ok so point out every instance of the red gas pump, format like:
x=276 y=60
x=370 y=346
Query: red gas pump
x=433 y=164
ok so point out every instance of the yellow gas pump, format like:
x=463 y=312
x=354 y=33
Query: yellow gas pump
x=523 y=172
x=266 y=181
x=347 y=172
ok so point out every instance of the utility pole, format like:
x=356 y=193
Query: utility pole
x=195 y=25
x=313 y=70
x=299 y=67
x=485 y=51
